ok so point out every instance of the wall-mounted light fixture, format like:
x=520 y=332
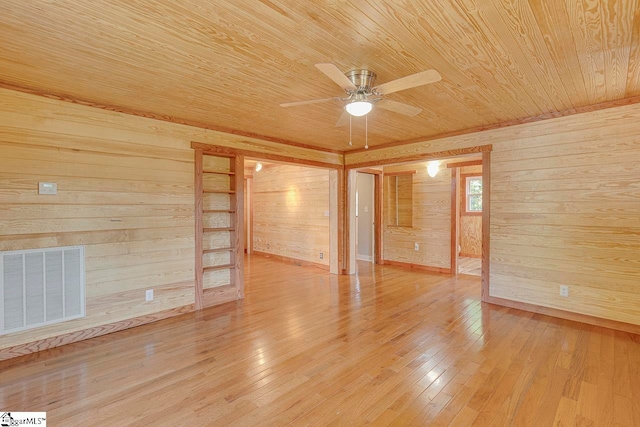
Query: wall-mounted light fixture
x=258 y=167
x=433 y=167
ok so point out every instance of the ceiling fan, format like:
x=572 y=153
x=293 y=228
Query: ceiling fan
x=362 y=95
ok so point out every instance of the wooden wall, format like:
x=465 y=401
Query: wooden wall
x=564 y=209
x=471 y=236
x=125 y=191
x=431 y=222
x=291 y=212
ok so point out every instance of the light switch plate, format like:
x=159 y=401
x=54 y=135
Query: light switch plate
x=47 y=188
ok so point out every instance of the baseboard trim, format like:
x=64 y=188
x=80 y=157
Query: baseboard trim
x=418 y=266
x=568 y=315
x=291 y=260
x=367 y=258
x=59 y=340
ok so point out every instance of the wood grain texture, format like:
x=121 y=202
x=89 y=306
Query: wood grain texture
x=343 y=236
x=295 y=261
x=471 y=236
x=279 y=156
x=85 y=334
x=470 y=222
x=219 y=230
x=563 y=197
x=351 y=184
x=238 y=254
x=378 y=217
x=205 y=64
x=419 y=266
x=455 y=218
x=199 y=227
x=431 y=222
x=390 y=347
x=409 y=154
x=289 y=204
x=125 y=192
x=334 y=221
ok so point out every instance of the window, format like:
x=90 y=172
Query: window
x=474 y=194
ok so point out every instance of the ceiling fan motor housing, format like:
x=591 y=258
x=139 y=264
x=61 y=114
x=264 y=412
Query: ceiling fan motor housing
x=362 y=79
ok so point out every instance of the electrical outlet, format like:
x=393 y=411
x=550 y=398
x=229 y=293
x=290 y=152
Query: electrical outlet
x=321 y=255
x=416 y=246
x=564 y=291
x=149 y=295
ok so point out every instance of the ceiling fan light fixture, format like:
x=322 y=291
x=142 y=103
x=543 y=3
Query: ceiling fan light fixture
x=359 y=108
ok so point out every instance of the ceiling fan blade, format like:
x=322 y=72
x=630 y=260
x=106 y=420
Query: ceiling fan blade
x=311 y=101
x=398 y=107
x=343 y=120
x=414 y=80
x=336 y=75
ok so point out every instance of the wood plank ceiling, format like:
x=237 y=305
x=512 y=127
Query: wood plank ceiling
x=228 y=64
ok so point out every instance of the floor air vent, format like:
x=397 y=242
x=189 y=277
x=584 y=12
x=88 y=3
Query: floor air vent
x=40 y=287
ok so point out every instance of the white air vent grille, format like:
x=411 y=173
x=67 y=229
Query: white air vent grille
x=40 y=287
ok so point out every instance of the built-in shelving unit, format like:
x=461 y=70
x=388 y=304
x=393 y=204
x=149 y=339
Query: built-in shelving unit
x=218 y=227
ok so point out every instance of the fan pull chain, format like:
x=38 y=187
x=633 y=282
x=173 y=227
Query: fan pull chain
x=366 y=132
x=350 y=144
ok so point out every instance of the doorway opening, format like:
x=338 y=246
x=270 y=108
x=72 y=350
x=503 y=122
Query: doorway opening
x=420 y=212
x=467 y=190
x=289 y=213
x=365 y=220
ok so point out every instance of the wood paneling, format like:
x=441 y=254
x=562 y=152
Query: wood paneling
x=398 y=199
x=431 y=221
x=125 y=191
x=291 y=212
x=209 y=63
x=334 y=223
x=564 y=202
x=471 y=236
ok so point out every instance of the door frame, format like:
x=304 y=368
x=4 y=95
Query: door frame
x=377 y=213
x=457 y=186
x=484 y=150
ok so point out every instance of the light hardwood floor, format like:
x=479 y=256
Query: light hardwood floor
x=472 y=266
x=389 y=347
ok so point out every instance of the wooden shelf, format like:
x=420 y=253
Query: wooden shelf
x=230 y=222
x=214 y=229
x=218 y=172
x=219 y=267
x=214 y=250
